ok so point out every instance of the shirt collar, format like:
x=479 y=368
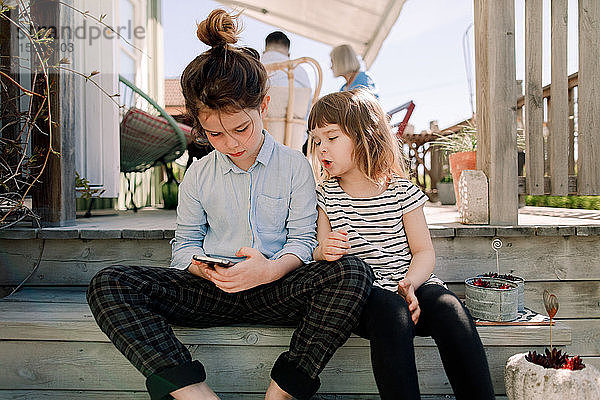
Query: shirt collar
x=263 y=157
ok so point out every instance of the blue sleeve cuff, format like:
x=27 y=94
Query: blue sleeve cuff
x=182 y=256
x=301 y=251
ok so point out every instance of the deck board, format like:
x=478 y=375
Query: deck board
x=48 y=322
x=535 y=258
x=99 y=366
x=121 y=395
x=148 y=222
x=62 y=314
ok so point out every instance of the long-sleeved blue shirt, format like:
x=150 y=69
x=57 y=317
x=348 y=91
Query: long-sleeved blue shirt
x=271 y=207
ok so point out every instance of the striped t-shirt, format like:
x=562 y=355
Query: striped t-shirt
x=375 y=227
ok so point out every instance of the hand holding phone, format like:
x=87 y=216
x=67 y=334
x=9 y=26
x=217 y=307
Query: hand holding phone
x=212 y=261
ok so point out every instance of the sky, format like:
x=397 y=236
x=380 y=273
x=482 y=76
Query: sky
x=422 y=59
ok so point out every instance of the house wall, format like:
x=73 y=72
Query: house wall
x=97 y=139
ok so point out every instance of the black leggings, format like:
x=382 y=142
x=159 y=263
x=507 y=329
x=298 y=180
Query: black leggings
x=386 y=322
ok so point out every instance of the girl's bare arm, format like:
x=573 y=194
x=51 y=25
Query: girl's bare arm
x=332 y=245
x=419 y=241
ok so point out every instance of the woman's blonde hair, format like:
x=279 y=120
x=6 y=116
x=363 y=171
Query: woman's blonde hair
x=344 y=60
x=377 y=151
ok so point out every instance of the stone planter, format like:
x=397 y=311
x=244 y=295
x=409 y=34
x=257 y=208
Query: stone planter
x=446 y=193
x=525 y=380
x=492 y=304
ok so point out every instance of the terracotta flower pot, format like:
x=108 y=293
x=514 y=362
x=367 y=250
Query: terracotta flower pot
x=458 y=163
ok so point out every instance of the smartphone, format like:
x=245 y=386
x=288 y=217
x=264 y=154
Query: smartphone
x=212 y=261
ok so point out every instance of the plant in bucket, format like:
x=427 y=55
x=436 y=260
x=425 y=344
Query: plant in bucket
x=490 y=296
x=170 y=188
x=497 y=245
x=445 y=190
x=551 y=375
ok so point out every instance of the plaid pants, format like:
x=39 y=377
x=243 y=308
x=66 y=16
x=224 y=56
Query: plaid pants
x=135 y=306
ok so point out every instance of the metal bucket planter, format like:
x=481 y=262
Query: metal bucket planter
x=492 y=304
x=446 y=193
x=521 y=290
x=520 y=285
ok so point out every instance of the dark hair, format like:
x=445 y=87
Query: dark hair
x=224 y=78
x=277 y=38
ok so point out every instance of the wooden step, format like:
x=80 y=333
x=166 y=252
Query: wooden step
x=112 y=395
x=50 y=342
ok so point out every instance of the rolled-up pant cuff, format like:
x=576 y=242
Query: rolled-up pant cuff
x=292 y=380
x=160 y=384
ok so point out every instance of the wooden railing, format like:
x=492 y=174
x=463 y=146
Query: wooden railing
x=545 y=158
x=562 y=152
x=495 y=68
x=562 y=149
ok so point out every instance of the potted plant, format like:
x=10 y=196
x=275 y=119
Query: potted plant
x=493 y=296
x=515 y=279
x=492 y=299
x=170 y=188
x=461 y=148
x=445 y=190
x=497 y=245
x=550 y=375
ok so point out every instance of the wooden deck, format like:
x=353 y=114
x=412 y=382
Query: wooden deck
x=54 y=346
x=53 y=349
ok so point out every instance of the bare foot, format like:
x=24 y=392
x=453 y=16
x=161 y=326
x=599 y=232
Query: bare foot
x=197 y=391
x=274 y=392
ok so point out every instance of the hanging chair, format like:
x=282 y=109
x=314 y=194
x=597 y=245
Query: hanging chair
x=148 y=134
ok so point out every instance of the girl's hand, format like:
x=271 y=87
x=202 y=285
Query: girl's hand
x=199 y=269
x=335 y=246
x=255 y=270
x=407 y=290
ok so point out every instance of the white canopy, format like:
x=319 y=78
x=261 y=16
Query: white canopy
x=363 y=24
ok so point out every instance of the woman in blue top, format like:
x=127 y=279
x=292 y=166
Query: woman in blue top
x=253 y=201
x=344 y=62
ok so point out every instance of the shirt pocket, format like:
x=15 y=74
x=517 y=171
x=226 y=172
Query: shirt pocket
x=271 y=213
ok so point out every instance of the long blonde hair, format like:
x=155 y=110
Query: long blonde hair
x=377 y=151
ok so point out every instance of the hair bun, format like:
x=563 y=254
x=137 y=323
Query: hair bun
x=218 y=29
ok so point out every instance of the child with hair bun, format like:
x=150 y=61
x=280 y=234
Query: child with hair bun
x=368 y=208
x=251 y=201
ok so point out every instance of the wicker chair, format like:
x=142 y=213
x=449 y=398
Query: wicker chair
x=286 y=116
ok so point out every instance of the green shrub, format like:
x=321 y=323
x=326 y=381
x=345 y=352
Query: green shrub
x=582 y=202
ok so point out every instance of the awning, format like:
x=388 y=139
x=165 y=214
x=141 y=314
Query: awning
x=364 y=24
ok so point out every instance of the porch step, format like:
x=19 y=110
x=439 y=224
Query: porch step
x=50 y=343
x=112 y=395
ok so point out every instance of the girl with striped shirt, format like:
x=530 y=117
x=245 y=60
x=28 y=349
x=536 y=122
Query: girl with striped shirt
x=368 y=208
